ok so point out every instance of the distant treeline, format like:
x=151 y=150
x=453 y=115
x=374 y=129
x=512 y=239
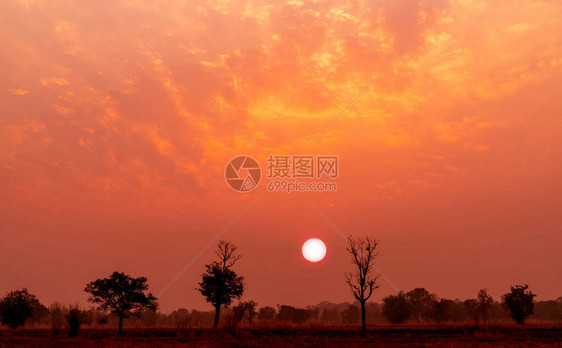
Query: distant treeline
x=429 y=310
x=121 y=297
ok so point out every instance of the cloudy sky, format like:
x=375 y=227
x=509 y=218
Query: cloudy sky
x=111 y=160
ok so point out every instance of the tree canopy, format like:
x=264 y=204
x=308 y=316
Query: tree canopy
x=16 y=307
x=121 y=294
x=519 y=302
x=396 y=308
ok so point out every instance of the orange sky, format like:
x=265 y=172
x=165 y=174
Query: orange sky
x=452 y=159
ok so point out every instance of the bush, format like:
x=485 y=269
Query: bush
x=74 y=320
x=16 y=307
x=519 y=302
x=396 y=309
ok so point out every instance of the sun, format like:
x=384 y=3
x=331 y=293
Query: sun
x=314 y=250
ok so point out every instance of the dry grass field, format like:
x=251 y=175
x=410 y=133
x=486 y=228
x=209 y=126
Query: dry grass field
x=310 y=336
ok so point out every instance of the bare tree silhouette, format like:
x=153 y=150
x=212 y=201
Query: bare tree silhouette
x=122 y=294
x=226 y=252
x=362 y=282
x=220 y=284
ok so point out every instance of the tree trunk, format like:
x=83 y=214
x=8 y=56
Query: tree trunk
x=363 y=323
x=120 y=324
x=217 y=315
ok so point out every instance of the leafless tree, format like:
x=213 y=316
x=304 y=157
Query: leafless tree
x=362 y=282
x=226 y=252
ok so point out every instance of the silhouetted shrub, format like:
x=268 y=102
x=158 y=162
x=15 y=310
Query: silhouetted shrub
x=40 y=315
x=442 y=310
x=292 y=314
x=330 y=315
x=267 y=313
x=423 y=304
x=57 y=314
x=16 y=307
x=396 y=309
x=74 y=320
x=350 y=315
x=103 y=319
x=519 y=302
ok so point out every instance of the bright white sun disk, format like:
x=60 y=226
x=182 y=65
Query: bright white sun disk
x=314 y=250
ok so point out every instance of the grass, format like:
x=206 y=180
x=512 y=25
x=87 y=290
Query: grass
x=535 y=335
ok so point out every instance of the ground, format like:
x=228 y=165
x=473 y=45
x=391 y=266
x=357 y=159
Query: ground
x=311 y=336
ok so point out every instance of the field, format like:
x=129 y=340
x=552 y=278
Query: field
x=311 y=336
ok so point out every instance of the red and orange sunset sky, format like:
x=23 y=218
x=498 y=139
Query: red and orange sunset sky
x=110 y=160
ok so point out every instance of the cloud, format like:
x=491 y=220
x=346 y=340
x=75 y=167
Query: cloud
x=280 y=73
x=18 y=91
x=53 y=81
